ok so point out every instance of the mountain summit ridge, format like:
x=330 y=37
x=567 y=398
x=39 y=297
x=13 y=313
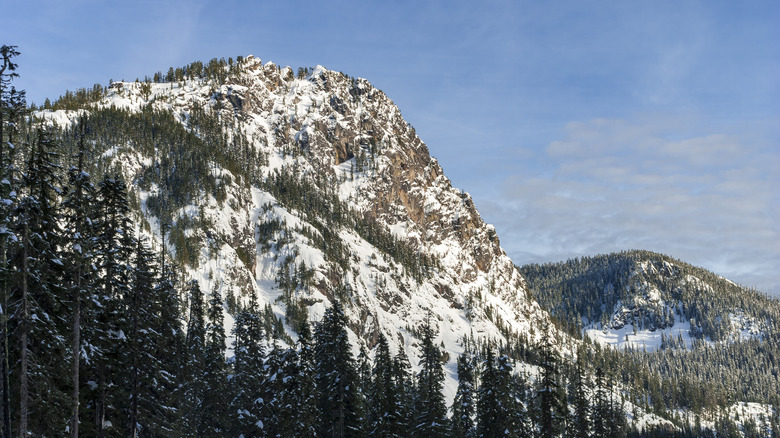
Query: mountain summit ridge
x=415 y=246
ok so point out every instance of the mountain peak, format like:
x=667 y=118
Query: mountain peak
x=322 y=191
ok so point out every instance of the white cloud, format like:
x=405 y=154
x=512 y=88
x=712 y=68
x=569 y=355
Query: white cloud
x=710 y=199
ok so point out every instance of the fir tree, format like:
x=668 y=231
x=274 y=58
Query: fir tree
x=430 y=419
x=193 y=384
x=247 y=370
x=306 y=404
x=382 y=395
x=464 y=405
x=601 y=407
x=168 y=349
x=80 y=241
x=340 y=411
x=580 y=422
x=406 y=388
x=488 y=421
x=213 y=421
x=549 y=403
x=104 y=339
x=139 y=360
x=11 y=102
x=43 y=401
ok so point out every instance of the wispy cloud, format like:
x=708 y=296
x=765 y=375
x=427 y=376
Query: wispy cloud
x=708 y=199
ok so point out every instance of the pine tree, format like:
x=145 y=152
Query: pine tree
x=44 y=403
x=275 y=423
x=80 y=242
x=247 y=370
x=168 y=348
x=430 y=418
x=140 y=360
x=12 y=105
x=213 y=422
x=306 y=424
x=488 y=421
x=382 y=396
x=510 y=412
x=193 y=386
x=601 y=407
x=406 y=388
x=464 y=405
x=521 y=418
x=549 y=403
x=340 y=411
x=104 y=340
x=580 y=422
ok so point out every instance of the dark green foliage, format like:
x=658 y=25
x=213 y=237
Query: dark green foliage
x=489 y=412
x=340 y=410
x=215 y=373
x=549 y=402
x=430 y=412
x=590 y=287
x=464 y=405
x=306 y=395
x=91 y=315
x=138 y=359
x=248 y=373
x=578 y=397
x=192 y=383
x=407 y=388
x=383 y=394
x=39 y=296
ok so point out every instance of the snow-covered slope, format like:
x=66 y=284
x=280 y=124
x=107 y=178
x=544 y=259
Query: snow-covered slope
x=647 y=300
x=411 y=244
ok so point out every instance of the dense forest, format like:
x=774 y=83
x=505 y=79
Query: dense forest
x=719 y=366
x=103 y=336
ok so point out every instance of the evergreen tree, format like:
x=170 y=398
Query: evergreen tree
x=192 y=376
x=406 y=388
x=80 y=240
x=511 y=413
x=601 y=407
x=488 y=421
x=169 y=348
x=382 y=396
x=340 y=411
x=521 y=418
x=247 y=370
x=12 y=105
x=464 y=405
x=44 y=404
x=104 y=341
x=276 y=419
x=306 y=405
x=140 y=360
x=430 y=418
x=549 y=404
x=580 y=422
x=213 y=421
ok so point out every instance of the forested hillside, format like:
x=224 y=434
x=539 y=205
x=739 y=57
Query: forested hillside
x=710 y=340
x=231 y=249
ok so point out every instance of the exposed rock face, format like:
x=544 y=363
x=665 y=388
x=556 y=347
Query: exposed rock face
x=348 y=139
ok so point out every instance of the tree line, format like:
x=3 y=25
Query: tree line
x=102 y=336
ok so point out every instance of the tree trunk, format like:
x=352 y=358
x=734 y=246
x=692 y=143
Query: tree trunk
x=100 y=409
x=76 y=342
x=76 y=347
x=6 y=384
x=24 y=391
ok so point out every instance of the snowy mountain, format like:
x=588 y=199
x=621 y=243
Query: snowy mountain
x=648 y=300
x=321 y=190
x=304 y=189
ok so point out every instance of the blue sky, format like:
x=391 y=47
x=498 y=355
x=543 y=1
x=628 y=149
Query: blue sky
x=578 y=127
